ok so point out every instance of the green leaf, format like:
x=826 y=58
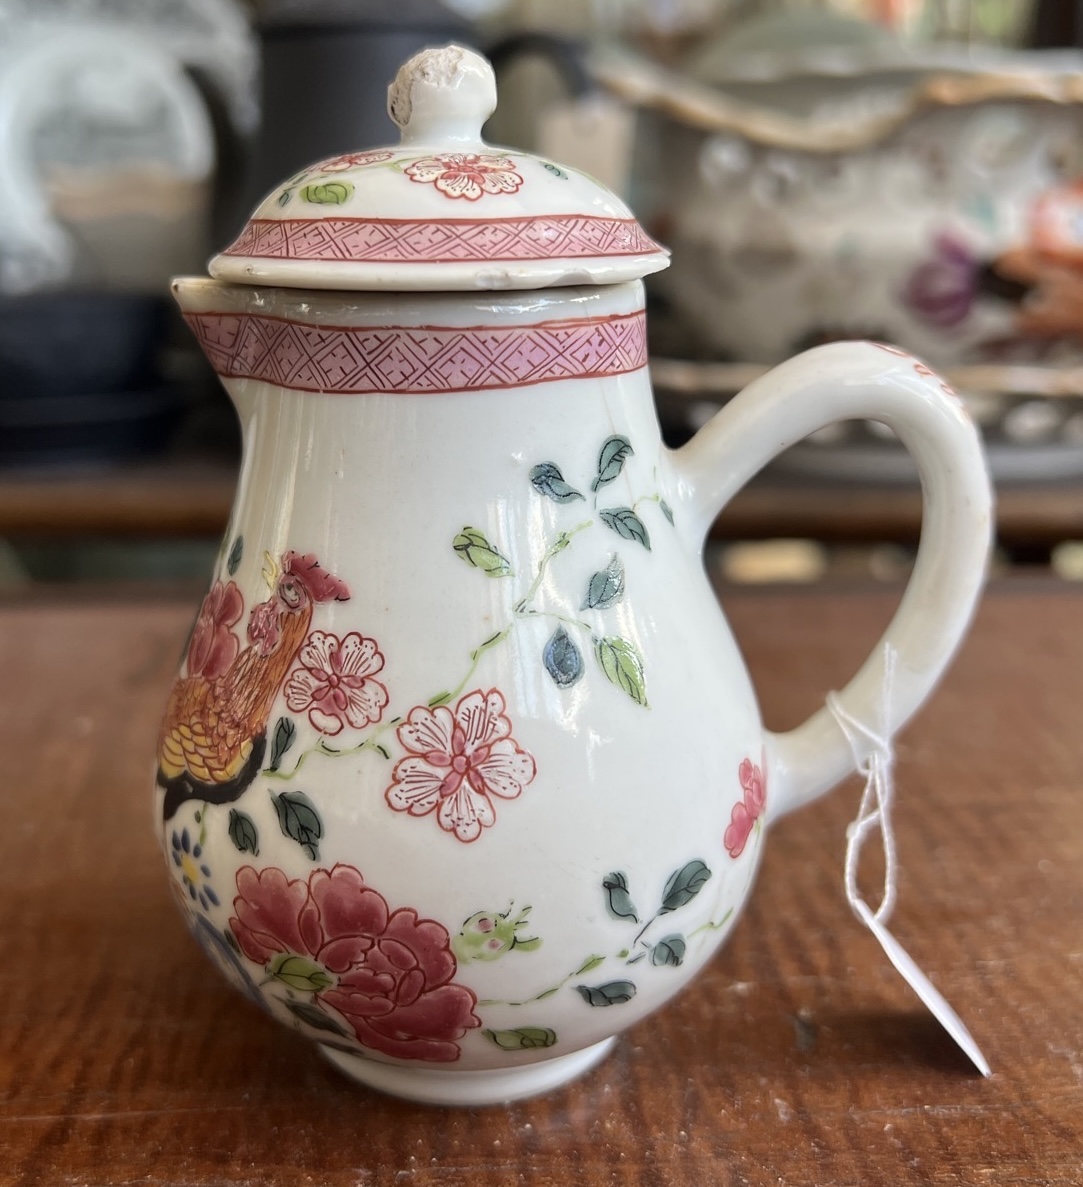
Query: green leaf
x=667 y=511
x=623 y=666
x=555 y=170
x=235 y=554
x=592 y=962
x=669 y=950
x=614 y=453
x=618 y=902
x=312 y=1015
x=300 y=973
x=243 y=833
x=299 y=820
x=476 y=550
x=612 y=993
x=606 y=587
x=562 y=658
x=522 y=1038
x=284 y=735
x=684 y=885
x=625 y=522
x=548 y=480
x=284 y=197
x=328 y=193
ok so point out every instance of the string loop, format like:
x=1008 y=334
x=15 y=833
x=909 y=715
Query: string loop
x=874 y=757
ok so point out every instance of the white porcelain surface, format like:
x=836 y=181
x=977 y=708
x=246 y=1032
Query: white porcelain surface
x=442 y=210
x=628 y=789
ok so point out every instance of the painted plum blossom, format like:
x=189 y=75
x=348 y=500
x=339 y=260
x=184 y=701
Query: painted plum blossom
x=389 y=973
x=352 y=160
x=466 y=175
x=335 y=684
x=214 y=646
x=748 y=809
x=458 y=762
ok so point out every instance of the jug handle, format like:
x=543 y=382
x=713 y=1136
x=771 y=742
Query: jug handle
x=843 y=381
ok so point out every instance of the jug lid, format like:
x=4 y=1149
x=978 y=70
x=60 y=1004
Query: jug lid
x=442 y=210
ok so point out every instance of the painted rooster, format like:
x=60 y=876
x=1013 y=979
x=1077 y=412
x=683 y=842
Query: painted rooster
x=214 y=733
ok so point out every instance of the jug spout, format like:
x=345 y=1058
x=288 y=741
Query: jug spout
x=192 y=292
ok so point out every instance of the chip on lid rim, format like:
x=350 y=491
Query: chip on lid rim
x=441 y=211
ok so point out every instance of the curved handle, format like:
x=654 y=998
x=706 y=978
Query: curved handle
x=843 y=381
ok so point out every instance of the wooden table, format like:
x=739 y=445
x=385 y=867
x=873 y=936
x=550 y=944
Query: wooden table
x=798 y=1057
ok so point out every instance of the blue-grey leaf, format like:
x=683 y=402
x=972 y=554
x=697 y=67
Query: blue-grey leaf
x=311 y=1015
x=669 y=950
x=606 y=587
x=562 y=658
x=667 y=511
x=625 y=522
x=243 y=832
x=684 y=885
x=547 y=479
x=612 y=993
x=299 y=820
x=618 y=902
x=285 y=732
x=614 y=453
x=235 y=554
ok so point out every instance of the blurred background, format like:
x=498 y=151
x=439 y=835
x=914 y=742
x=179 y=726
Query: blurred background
x=908 y=170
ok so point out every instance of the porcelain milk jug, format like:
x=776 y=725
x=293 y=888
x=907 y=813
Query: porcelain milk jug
x=462 y=773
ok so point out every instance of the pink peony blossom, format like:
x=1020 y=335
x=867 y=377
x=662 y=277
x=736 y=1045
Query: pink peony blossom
x=748 y=809
x=388 y=973
x=214 y=646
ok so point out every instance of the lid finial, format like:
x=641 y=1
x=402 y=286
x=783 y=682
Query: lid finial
x=442 y=94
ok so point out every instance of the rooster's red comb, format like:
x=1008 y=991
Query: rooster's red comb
x=321 y=585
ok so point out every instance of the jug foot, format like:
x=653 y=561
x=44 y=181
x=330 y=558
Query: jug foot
x=492 y=1086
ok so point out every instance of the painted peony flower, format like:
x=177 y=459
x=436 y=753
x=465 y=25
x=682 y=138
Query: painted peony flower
x=214 y=646
x=747 y=810
x=389 y=973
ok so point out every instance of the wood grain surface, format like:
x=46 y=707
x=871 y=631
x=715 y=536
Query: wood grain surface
x=798 y=1057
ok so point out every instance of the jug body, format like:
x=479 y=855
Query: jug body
x=462 y=770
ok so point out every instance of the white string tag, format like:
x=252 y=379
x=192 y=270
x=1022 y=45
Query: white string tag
x=874 y=756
